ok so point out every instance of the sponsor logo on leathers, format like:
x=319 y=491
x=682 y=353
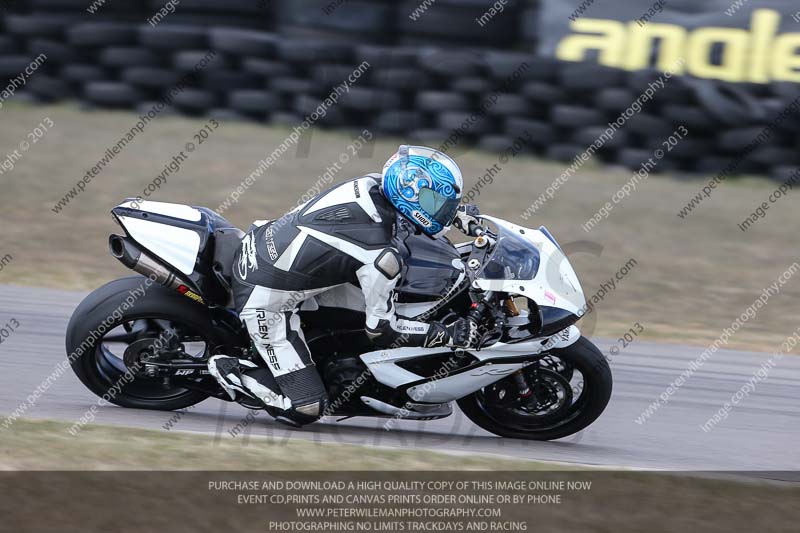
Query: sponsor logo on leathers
x=247 y=259
x=263 y=333
x=271 y=250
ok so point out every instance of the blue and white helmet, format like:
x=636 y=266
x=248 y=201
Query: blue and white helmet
x=425 y=185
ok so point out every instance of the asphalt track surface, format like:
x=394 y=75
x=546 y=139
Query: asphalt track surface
x=760 y=434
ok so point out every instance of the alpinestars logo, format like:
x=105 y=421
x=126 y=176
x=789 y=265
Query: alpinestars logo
x=356 y=190
x=438 y=340
x=271 y=250
x=263 y=333
x=247 y=258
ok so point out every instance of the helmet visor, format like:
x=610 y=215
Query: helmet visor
x=439 y=207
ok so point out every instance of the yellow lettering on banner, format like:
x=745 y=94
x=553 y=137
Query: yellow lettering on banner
x=765 y=26
x=642 y=40
x=734 y=50
x=756 y=54
x=610 y=43
x=785 y=60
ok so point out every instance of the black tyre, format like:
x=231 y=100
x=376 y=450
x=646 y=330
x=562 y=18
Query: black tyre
x=564 y=152
x=507 y=104
x=451 y=62
x=575 y=384
x=542 y=133
x=397 y=121
x=690 y=116
x=468 y=123
x=291 y=85
x=112 y=94
x=195 y=100
x=589 y=76
x=634 y=158
x=229 y=115
x=774 y=155
x=369 y=99
x=326 y=76
x=519 y=66
x=8 y=45
x=649 y=125
x=150 y=77
x=55 y=51
x=412 y=79
x=173 y=37
x=248 y=101
x=495 y=143
x=37 y=25
x=83 y=73
x=229 y=80
x=471 y=85
x=571 y=116
x=736 y=139
x=731 y=105
x=588 y=136
x=129 y=56
x=387 y=56
x=614 y=99
x=48 y=88
x=442 y=101
x=188 y=60
x=244 y=42
x=95 y=336
x=266 y=67
x=544 y=93
x=11 y=66
x=101 y=34
x=313 y=52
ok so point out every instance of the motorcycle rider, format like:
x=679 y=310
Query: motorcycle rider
x=326 y=249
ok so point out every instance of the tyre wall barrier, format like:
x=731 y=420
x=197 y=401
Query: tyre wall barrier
x=434 y=80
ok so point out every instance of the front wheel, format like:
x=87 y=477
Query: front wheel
x=570 y=388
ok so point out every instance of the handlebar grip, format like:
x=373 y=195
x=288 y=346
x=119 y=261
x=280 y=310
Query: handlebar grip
x=476 y=312
x=476 y=230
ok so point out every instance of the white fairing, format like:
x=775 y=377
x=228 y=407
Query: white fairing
x=555 y=283
x=459 y=385
x=383 y=365
x=181 y=211
x=177 y=246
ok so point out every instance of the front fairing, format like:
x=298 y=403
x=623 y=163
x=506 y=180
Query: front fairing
x=552 y=284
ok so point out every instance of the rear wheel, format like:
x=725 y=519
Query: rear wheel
x=571 y=387
x=125 y=321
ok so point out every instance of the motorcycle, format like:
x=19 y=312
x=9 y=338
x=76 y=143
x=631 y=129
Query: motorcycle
x=144 y=342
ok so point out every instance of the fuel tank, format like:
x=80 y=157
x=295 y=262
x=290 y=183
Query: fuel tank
x=430 y=268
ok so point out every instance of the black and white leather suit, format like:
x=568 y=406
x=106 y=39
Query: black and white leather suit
x=336 y=248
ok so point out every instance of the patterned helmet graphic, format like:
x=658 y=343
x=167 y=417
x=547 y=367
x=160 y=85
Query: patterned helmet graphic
x=425 y=186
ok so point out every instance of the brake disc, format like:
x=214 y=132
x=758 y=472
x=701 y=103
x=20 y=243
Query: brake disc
x=551 y=393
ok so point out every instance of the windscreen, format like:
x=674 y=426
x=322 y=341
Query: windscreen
x=513 y=258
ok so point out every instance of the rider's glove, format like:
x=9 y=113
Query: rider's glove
x=461 y=333
x=466 y=219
